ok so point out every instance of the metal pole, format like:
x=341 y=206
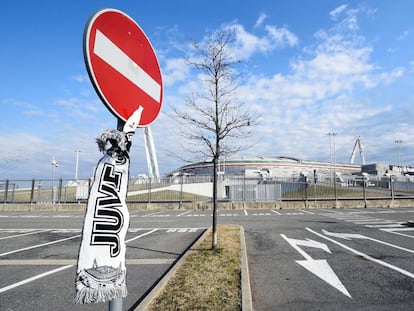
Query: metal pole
x=77 y=164
x=13 y=192
x=306 y=192
x=399 y=154
x=149 y=190
x=115 y=304
x=54 y=165
x=181 y=193
x=59 y=198
x=32 y=191
x=364 y=191
x=6 y=190
x=333 y=160
x=314 y=184
x=38 y=191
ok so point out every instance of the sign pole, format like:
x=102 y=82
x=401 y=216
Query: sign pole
x=116 y=304
x=124 y=70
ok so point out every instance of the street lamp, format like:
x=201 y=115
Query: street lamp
x=400 y=165
x=77 y=164
x=333 y=158
x=332 y=152
x=54 y=164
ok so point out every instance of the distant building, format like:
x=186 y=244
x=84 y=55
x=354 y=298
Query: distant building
x=381 y=169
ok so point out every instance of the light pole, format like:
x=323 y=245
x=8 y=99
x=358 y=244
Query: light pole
x=77 y=164
x=54 y=164
x=399 y=142
x=333 y=158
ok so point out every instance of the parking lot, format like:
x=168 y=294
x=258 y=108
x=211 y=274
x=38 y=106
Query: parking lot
x=38 y=264
x=318 y=259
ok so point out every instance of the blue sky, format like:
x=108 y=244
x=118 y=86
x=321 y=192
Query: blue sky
x=309 y=68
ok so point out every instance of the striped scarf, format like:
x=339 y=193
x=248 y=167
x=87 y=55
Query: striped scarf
x=101 y=271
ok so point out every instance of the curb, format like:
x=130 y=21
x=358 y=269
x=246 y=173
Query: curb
x=247 y=304
x=245 y=279
x=163 y=282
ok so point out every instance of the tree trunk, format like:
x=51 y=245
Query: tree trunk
x=214 y=230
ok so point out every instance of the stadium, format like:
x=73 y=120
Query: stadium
x=268 y=167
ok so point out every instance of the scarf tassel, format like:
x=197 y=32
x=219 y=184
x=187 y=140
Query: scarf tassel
x=101 y=294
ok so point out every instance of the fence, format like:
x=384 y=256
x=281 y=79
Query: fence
x=199 y=189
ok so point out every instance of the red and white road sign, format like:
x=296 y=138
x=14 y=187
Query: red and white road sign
x=122 y=65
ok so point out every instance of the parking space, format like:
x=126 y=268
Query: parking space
x=38 y=266
x=38 y=254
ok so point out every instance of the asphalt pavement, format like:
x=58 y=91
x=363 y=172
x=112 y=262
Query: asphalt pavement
x=336 y=259
x=333 y=260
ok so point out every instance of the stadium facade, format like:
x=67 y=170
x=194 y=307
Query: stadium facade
x=269 y=167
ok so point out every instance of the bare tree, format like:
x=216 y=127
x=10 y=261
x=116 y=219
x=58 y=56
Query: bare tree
x=213 y=122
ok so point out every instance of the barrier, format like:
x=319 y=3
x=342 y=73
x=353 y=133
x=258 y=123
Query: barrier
x=197 y=190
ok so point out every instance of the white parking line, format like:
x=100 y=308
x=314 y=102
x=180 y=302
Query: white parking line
x=368 y=257
x=276 y=212
x=398 y=231
x=36 y=277
x=39 y=245
x=19 y=235
x=373 y=221
x=152 y=214
x=33 y=278
x=390 y=225
x=307 y=212
x=184 y=213
x=141 y=235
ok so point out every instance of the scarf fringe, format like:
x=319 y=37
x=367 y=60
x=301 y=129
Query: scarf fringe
x=86 y=295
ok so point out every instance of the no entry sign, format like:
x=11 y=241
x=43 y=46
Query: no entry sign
x=122 y=65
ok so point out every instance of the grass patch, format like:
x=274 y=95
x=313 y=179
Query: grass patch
x=208 y=279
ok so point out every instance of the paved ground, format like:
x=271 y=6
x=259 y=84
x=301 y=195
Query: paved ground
x=333 y=260
x=298 y=259
x=38 y=254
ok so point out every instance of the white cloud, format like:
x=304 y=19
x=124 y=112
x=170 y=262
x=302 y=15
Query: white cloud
x=390 y=77
x=282 y=36
x=405 y=34
x=25 y=108
x=81 y=78
x=337 y=11
x=80 y=109
x=318 y=95
x=333 y=84
x=262 y=17
x=174 y=70
x=248 y=43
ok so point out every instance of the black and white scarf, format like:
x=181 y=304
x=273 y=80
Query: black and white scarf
x=101 y=270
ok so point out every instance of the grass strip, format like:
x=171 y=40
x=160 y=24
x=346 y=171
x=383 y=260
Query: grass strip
x=208 y=279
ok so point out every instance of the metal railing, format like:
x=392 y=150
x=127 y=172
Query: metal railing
x=199 y=189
